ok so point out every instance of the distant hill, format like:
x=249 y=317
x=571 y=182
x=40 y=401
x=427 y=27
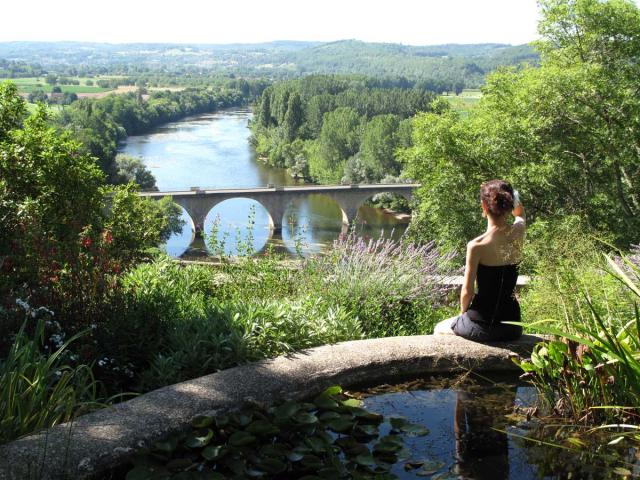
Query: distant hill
x=279 y=59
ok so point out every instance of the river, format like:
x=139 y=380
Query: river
x=213 y=151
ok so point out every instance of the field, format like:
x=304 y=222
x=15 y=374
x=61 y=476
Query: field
x=30 y=84
x=465 y=101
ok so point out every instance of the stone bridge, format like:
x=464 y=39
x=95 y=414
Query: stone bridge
x=199 y=202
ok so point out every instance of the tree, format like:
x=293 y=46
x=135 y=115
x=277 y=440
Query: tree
x=131 y=169
x=339 y=140
x=379 y=143
x=566 y=134
x=294 y=118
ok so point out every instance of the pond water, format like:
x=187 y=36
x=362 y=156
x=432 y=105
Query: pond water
x=213 y=151
x=479 y=430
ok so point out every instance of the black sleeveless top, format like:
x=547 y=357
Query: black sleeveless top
x=495 y=300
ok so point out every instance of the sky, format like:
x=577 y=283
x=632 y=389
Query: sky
x=412 y=22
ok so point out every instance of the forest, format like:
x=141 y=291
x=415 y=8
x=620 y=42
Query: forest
x=333 y=129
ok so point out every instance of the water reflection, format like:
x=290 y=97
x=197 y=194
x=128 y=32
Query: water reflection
x=466 y=439
x=212 y=151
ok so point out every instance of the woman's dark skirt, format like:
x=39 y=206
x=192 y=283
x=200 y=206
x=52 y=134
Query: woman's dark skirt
x=471 y=325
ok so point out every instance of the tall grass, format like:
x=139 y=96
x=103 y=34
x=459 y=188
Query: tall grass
x=39 y=390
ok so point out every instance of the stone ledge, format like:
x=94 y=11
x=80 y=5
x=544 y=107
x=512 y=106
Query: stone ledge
x=104 y=439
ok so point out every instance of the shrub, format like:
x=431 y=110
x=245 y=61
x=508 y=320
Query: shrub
x=391 y=286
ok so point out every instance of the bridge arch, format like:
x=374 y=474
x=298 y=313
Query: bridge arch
x=243 y=214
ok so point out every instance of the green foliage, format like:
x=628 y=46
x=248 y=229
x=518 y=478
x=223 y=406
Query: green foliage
x=564 y=134
x=62 y=247
x=286 y=440
x=391 y=286
x=331 y=129
x=41 y=389
x=132 y=169
x=593 y=373
x=138 y=224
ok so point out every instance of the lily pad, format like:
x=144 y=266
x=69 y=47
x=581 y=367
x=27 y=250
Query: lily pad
x=168 y=446
x=366 y=460
x=286 y=410
x=262 y=427
x=305 y=418
x=325 y=403
x=213 y=452
x=334 y=390
x=340 y=425
x=199 y=439
x=203 y=421
x=240 y=439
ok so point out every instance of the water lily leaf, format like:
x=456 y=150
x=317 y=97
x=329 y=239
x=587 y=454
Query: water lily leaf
x=352 y=402
x=275 y=450
x=413 y=464
x=305 y=418
x=366 y=460
x=443 y=476
x=236 y=465
x=334 y=390
x=331 y=473
x=397 y=422
x=168 y=446
x=213 y=476
x=295 y=456
x=413 y=430
x=179 y=464
x=286 y=410
x=340 y=425
x=202 y=421
x=255 y=473
x=141 y=473
x=366 y=416
x=326 y=437
x=213 y=452
x=388 y=444
x=429 y=467
x=317 y=444
x=367 y=430
x=327 y=416
x=242 y=419
x=199 y=439
x=351 y=446
x=325 y=403
x=222 y=421
x=184 y=476
x=272 y=465
x=262 y=427
x=240 y=439
x=312 y=462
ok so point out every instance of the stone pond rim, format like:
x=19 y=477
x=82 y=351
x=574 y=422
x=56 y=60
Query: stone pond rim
x=104 y=439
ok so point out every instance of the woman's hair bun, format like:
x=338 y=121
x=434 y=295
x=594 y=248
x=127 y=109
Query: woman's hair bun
x=498 y=196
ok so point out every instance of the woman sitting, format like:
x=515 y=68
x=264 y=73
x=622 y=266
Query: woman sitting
x=492 y=260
